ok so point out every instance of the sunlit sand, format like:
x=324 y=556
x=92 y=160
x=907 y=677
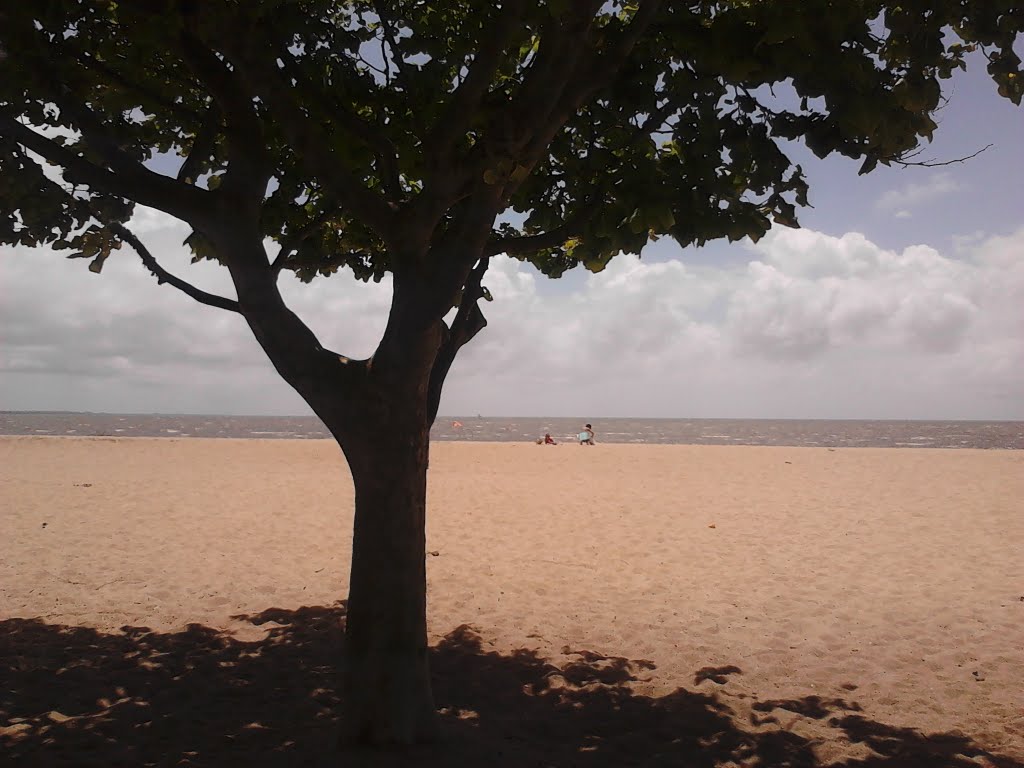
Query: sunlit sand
x=810 y=591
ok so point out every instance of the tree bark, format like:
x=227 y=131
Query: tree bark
x=377 y=410
x=387 y=693
x=384 y=430
x=380 y=411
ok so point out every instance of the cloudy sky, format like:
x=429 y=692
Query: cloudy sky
x=901 y=298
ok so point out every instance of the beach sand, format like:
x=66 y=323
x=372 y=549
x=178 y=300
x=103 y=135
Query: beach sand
x=607 y=605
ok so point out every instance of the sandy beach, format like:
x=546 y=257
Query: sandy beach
x=607 y=605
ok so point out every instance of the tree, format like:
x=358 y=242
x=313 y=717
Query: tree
x=421 y=139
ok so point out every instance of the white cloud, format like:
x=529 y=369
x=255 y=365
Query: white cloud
x=916 y=193
x=812 y=292
x=146 y=220
x=811 y=326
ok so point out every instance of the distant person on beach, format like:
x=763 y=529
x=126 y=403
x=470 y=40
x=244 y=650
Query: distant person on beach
x=587 y=435
x=548 y=439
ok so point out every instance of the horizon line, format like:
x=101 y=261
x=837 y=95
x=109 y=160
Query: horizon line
x=35 y=411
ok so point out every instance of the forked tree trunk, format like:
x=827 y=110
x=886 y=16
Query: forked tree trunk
x=380 y=411
x=387 y=692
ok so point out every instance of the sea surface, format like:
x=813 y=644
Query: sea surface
x=793 y=432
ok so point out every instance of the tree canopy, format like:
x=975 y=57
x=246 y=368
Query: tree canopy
x=603 y=124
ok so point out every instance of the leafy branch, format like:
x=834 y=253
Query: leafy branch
x=163 y=276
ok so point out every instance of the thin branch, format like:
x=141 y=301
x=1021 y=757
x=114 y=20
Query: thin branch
x=294 y=241
x=370 y=66
x=392 y=40
x=938 y=164
x=311 y=145
x=221 y=82
x=530 y=243
x=559 y=58
x=595 y=75
x=543 y=240
x=163 y=276
x=468 y=322
x=87 y=60
x=202 y=145
x=384 y=58
x=466 y=98
x=244 y=128
x=655 y=121
x=374 y=136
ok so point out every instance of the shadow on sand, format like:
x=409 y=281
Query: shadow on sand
x=71 y=696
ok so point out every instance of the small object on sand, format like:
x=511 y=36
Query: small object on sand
x=433 y=553
x=978 y=676
x=44 y=525
x=789 y=462
x=711 y=526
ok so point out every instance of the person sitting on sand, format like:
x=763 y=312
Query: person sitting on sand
x=548 y=439
x=587 y=435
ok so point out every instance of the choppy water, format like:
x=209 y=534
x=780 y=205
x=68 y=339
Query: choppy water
x=916 y=434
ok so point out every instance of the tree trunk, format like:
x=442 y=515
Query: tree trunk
x=380 y=411
x=387 y=693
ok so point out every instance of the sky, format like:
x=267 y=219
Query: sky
x=901 y=297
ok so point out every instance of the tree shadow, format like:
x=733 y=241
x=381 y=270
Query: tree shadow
x=72 y=696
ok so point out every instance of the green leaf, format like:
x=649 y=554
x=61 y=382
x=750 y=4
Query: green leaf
x=864 y=80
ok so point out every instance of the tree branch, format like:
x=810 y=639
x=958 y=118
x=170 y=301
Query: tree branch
x=940 y=163
x=248 y=167
x=163 y=276
x=530 y=243
x=57 y=154
x=87 y=60
x=372 y=136
x=561 y=49
x=389 y=35
x=224 y=87
x=311 y=145
x=553 y=237
x=202 y=145
x=467 y=97
x=137 y=181
x=550 y=71
x=295 y=240
x=560 y=61
x=601 y=68
x=133 y=181
x=468 y=322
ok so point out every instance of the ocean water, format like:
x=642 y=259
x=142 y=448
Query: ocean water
x=792 y=432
